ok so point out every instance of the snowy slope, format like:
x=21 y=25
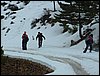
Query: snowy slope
x=56 y=52
x=31 y=11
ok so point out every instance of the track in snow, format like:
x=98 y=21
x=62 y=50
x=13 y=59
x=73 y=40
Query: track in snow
x=75 y=65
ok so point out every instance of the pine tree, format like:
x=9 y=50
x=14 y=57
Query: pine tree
x=77 y=12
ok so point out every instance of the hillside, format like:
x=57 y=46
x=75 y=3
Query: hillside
x=22 y=22
x=22 y=67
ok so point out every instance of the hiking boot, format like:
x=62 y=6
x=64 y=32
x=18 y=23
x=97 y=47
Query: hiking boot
x=84 y=52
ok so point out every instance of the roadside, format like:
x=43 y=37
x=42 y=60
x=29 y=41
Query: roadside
x=17 y=66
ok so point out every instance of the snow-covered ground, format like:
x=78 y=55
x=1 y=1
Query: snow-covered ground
x=56 y=52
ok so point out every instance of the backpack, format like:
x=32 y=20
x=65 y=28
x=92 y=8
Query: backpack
x=90 y=39
x=27 y=39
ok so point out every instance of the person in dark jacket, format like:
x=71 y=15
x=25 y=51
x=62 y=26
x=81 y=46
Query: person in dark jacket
x=89 y=42
x=40 y=39
x=24 y=41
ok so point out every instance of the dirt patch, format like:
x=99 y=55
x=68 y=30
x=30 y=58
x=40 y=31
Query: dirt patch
x=17 y=66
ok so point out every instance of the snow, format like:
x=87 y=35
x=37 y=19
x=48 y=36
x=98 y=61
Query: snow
x=90 y=66
x=56 y=52
x=53 y=64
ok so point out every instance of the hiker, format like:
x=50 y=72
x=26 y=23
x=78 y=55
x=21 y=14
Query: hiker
x=25 y=39
x=89 y=42
x=40 y=39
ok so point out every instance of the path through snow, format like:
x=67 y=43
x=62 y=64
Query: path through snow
x=78 y=69
x=75 y=65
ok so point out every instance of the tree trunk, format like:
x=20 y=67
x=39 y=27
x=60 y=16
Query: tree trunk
x=54 y=6
x=71 y=3
x=80 y=26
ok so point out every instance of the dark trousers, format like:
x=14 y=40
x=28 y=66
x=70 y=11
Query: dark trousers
x=24 y=45
x=88 y=44
x=40 y=43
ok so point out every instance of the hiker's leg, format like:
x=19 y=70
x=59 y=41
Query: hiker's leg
x=85 y=49
x=87 y=45
x=25 y=46
x=39 y=44
x=90 y=47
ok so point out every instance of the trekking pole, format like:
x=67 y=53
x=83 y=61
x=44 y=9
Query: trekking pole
x=33 y=37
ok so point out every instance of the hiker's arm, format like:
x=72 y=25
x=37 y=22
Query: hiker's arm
x=43 y=37
x=36 y=37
